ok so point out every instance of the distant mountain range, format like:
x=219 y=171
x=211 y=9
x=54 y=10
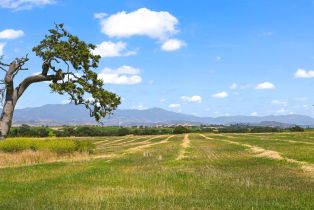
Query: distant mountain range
x=68 y=114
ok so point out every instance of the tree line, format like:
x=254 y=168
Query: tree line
x=85 y=131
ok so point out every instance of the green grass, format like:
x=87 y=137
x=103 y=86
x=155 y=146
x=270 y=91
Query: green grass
x=214 y=175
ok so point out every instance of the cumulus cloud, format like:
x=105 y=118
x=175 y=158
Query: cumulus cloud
x=233 y=86
x=142 y=22
x=24 y=4
x=112 y=49
x=265 y=86
x=174 y=106
x=11 y=34
x=2 y=45
x=124 y=75
x=220 y=95
x=301 y=73
x=172 y=45
x=191 y=99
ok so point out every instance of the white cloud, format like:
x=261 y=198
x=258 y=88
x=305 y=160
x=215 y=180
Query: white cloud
x=124 y=70
x=2 y=45
x=220 y=95
x=124 y=75
x=11 y=33
x=112 y=49
x=172 y=45
x=142 y=22
x=24 y=4
x=233 y=86
x=195 y=99
x=174 y=106
x=280 y=102
x=281 y=111
x=301 y=73
x=100 y=15
x=265 y=86
x=253 y=114
x=218 y=58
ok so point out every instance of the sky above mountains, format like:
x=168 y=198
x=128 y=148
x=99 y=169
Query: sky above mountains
x=207 y=58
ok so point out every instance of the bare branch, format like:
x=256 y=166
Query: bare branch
x=34 y=79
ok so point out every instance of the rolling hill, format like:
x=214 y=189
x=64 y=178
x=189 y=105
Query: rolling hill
x=68 y=114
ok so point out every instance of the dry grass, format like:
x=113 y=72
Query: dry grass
x=185 y=144
x=29 y=157
x=308 y=168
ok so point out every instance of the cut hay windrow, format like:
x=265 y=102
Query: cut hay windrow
x=270 y=154
x=185 y=144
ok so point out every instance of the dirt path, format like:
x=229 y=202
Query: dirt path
x=185 y=144
x=261 y=152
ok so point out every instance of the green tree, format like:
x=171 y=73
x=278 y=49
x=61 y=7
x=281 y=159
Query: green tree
x=68 y=63
x=180 y=129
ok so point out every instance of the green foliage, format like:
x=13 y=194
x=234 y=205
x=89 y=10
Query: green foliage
x=123 y=131
x=296 y=129
x=180 y=130
x=60 y=146
x=28 y=131
x=60 y=49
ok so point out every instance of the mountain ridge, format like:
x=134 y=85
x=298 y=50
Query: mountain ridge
x=69 y=114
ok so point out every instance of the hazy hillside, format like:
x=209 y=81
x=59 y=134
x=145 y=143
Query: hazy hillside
x=59 y=114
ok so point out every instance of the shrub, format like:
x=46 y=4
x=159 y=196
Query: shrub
x=180 y=130
x=296 y=129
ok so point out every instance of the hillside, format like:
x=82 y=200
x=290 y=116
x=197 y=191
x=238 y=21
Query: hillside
x=60 y=114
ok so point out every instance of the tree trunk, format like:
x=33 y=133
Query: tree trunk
x=7 y=112
x=6 y=118
x=13 y=94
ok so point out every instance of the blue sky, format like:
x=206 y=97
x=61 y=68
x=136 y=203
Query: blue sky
x=208 y=58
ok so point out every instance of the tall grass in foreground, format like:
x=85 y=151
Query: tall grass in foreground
x=25 y=151
x=60 y=146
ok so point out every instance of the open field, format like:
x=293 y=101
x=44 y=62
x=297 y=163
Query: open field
x=188 y=171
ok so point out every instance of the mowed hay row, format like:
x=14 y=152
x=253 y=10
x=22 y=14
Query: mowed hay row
x=125 y=144
x=184 y=145
x=308 y=168
x=116 y=152
x=295 y=150
x=216 y=175
x=112 y=140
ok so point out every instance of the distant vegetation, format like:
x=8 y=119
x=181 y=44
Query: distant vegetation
x=83 y=131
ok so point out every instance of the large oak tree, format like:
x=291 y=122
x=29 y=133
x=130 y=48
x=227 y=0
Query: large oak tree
x=69 y=64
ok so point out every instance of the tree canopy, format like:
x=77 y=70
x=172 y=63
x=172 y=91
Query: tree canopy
x=69 y=64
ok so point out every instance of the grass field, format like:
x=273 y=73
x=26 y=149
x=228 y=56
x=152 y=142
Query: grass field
x=194 y=171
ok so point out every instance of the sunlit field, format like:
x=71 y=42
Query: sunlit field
x=188 y=171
